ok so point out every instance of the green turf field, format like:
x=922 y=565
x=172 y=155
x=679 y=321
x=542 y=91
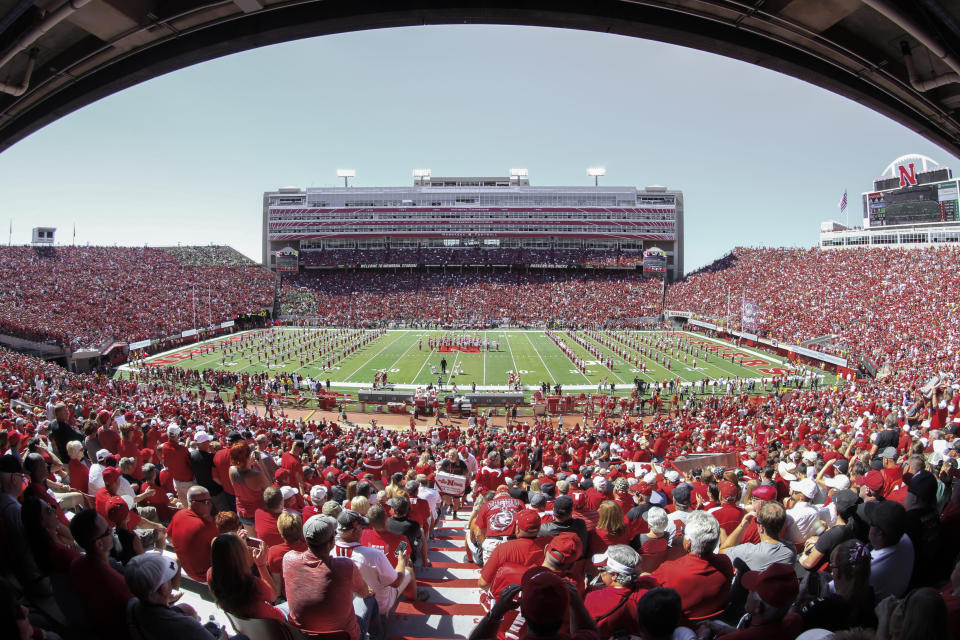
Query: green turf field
x=407 y=359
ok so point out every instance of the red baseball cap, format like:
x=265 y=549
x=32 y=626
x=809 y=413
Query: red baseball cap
x=777 y=585
x=565 y=548
x=764 y=492
x=527 y=520
x=111 y=475
x=872 y=480
x=727 y=490
x=543 y=597
x=117 y=510
x=642 y=488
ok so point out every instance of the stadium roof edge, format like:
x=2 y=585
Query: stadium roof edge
x=81 y=52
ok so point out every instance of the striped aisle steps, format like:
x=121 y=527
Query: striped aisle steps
x=453 y=609
x=451 y=612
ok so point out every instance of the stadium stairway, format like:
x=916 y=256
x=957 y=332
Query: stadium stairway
x=450 y=613
x=453 y=609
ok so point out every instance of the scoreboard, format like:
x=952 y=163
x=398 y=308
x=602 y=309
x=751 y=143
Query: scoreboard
x=287 y=260
x=913 y=204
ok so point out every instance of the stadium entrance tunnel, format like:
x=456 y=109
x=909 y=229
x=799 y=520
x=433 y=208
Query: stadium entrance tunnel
x=893 y=57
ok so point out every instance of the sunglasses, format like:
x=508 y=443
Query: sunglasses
x=204 y=501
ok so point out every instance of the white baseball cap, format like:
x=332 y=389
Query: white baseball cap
x=806 y=486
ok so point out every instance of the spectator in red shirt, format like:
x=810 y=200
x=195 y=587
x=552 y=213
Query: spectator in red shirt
x=221 y=472
x=232 y=583
x=101 y=589
x=77 y=469
x=291 y=530
x=266 y=517
x=614 y=606
x=728 y=514
x=176 y=458
x=326 y=593
x=526 y=549
x=291 y=461
x=702 y=578
x=772 y=592
x=191 y=531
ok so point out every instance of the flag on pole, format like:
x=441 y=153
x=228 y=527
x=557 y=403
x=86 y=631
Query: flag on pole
x=843 y=202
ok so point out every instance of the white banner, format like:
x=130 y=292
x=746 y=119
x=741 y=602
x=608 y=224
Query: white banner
x=188 y=333
x=228 y=323
x=139 y=345
x=450 y=484
x=817 y=355
x=705 y=325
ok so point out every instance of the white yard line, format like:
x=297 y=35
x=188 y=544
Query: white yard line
x=402 y=355
x=425 y=361
x=560 y=337
x=453 y=367
x=515 y=368
x=537 y=351
x=360 y=368
x=484 y=378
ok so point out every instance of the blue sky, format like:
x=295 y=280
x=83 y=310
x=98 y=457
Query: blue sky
x=762 y=158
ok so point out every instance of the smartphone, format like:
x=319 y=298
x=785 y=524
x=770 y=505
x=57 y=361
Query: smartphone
x=254 y=543
x=401 y=549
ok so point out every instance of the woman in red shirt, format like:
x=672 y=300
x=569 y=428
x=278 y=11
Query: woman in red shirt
x=612 y=527
x=79 y=472
x=248 y=480
x=232 y=583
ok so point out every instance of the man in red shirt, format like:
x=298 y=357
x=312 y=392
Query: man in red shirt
x=322 y=591
x=176 y=458
x=191 y=530
x=290 y=460
x=377 y=536
x=490 y=475
x=265 y=519
x=728 y=514
x=702 y=578
x=772 y=592
x=495 y=519
x=526 y=549
x=221 y=473
x=393 y=464
x=101 y=589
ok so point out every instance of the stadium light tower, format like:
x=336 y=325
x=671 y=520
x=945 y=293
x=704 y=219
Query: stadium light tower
x=421 y=175
x=596 y=172
x=346 y=174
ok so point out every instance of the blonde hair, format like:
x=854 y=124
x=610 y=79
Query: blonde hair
x=360 y=504
x=611 y=518
x=290 y=526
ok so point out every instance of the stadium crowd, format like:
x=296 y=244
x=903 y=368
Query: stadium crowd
x=209 y=256
x=891 y=305
x=471 y=298
x=85 y=296
x=828 y=513
x=470 y=256
x=836 y=514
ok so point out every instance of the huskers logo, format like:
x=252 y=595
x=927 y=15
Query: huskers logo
x=908 y=176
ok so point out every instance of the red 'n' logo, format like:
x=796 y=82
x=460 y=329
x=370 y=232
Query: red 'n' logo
x=907 y=176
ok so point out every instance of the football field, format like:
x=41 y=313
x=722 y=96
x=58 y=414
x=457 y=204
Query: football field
x=411 y=358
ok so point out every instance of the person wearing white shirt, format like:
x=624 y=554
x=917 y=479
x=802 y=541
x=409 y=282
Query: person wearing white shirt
x=386 y=582
x=95 y=475
x=803 y=518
